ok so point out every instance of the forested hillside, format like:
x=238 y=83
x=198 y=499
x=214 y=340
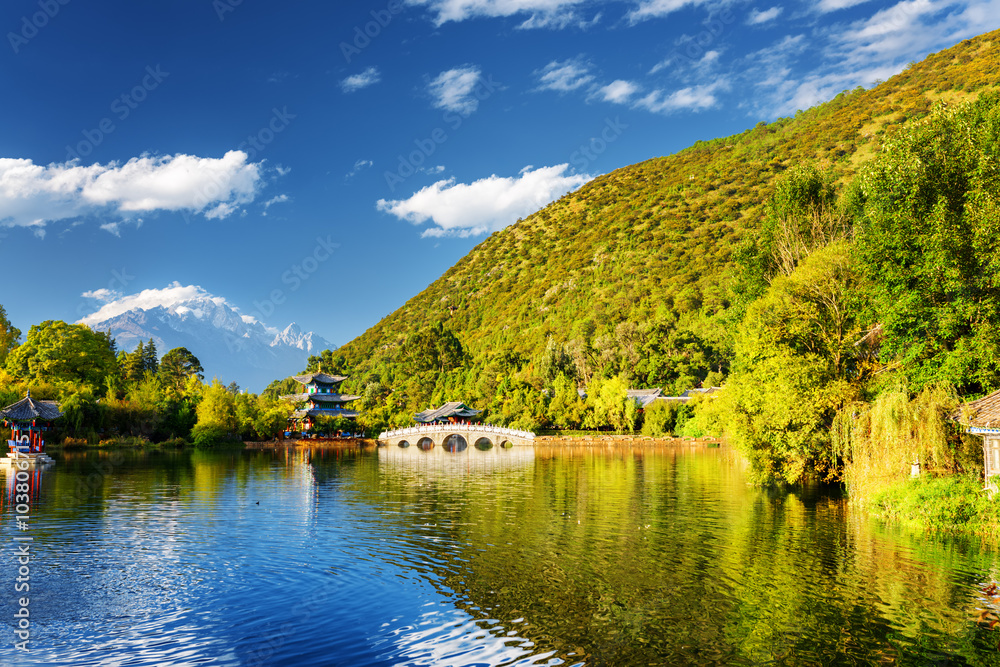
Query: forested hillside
x=635 y=274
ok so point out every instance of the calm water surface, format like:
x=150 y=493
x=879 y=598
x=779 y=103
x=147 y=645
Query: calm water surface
x=624 y=556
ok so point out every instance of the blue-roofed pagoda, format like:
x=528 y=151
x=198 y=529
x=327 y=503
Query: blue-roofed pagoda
x=27 y=419
x=319 y=398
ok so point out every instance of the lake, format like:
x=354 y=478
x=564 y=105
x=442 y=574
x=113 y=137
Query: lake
x=622 y=555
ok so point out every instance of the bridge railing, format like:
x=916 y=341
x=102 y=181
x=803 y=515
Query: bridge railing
x=477 y=428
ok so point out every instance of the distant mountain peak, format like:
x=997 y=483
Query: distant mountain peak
x=230 y=345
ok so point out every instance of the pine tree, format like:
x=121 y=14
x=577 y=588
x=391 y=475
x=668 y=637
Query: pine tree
x=149 y=360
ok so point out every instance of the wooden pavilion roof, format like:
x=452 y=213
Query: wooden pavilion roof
x=320 y=398
x=319 y=378
x=29 y=408
x=449 y=409
x=983 y=412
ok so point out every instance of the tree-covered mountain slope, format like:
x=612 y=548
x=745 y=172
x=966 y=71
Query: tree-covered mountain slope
x=633 y=273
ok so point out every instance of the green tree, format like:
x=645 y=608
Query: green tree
x=150 y=361
x=796 y=365
x=216 y=416
x=328 y=362
x=567 y=408
x=610 y=405
x=9 y=336
x=928 y=240
x=177 y=366
x=59 y=352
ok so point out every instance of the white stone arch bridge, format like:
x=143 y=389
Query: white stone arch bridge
x=457 y=437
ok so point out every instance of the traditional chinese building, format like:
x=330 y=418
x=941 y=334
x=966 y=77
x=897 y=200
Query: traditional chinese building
x=984 y=420
x=320 y=397
x=450 y=412
x=28 y=419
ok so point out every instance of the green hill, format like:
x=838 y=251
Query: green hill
x=633 y=273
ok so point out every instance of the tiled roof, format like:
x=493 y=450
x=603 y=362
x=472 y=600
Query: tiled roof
x=450 y=409
x=317 y=412
x=643 y=397
x=320 y=397
x=319 y=378
x=984 y=412
x=29 y=408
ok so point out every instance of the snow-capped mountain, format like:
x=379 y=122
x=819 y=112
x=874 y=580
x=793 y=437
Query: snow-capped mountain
x=230 y=345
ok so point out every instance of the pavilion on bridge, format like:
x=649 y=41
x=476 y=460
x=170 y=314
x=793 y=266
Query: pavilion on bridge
x=450 y=413
x=321 y=399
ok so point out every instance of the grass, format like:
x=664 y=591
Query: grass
x=949 y=504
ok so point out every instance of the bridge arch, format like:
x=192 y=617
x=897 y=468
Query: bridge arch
x=477 y=436
x=403 y=444
x=455 y=443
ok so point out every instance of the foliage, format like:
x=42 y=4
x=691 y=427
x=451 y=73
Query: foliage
x=795 y=366
x=10 y=336
x=660 y=418
x=217 y=410
x=609 y=405
x=177 y=366
x=68 y=353
x=952 y=503
x=929 y=242
x=882 y=439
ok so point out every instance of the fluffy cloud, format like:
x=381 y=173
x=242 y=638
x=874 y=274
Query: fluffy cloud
x=649 y=9
x=355 y=82
x=692 y=98
x=32 y=195
x=825 y=6
x=542 y=13
x=104 y=295
x=860 y=53
x=452 y=90
x=170 y=297
x=617 y=92
x=564 y=76
x=757 y=17
x=486 y=205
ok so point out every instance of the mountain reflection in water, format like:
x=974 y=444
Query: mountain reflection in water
x=616 y=555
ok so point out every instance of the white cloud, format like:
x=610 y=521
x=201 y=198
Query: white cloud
x=486 y=205
x=104 y=295
x=692 y=98
x=618 y=92
x=32 y=195
x=280 y=199
x=358 y=166
x=453 y=89
x=757 y=17
x=825 y=6
x=564 y=76
x=649 y=9
x=542 y=13
x=861 y=53
x=355 y=82
x=171 y=296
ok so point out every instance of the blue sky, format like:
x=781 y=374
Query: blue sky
x=324 y=162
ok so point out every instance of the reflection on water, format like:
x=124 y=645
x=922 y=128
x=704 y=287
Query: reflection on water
x=621 y=555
